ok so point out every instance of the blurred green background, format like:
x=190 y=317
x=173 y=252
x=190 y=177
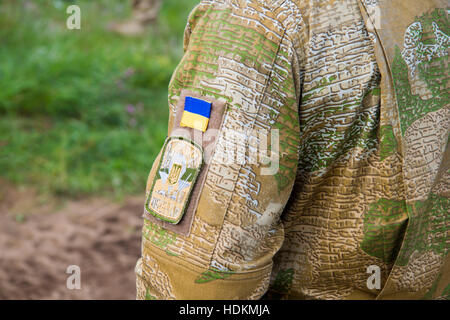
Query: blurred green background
x=84 y=112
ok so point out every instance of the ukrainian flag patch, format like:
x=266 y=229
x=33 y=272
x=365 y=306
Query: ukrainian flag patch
x=196 y=114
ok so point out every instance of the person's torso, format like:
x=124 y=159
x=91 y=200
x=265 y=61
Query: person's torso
x=372 y=188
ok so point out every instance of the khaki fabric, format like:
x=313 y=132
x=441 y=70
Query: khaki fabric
x=358 y=93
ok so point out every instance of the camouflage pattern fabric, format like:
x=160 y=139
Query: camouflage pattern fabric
x=358 y=93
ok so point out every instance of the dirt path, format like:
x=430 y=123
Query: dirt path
x=38 y=242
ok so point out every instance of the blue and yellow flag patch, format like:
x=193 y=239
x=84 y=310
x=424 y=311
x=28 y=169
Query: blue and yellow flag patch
x=196 y=114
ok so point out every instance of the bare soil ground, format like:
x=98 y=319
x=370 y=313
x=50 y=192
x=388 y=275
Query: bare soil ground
x=40 y=238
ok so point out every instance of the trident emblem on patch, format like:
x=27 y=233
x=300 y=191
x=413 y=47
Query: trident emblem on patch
x=178 y=169
x=174 y=173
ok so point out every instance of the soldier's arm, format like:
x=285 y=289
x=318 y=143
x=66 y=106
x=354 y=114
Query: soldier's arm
x=211 y=230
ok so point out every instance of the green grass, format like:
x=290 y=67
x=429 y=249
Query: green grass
x=84 y=111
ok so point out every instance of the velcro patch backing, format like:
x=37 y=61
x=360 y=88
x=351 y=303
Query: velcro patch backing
x=216 y=118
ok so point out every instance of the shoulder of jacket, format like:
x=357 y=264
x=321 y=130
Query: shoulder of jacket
x=286 y=16
x=284 y=12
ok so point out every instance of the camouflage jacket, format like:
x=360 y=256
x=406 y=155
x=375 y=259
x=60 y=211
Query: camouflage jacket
x=307 y=154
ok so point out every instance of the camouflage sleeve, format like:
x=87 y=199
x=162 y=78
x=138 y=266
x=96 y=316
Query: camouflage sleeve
x=226 y=171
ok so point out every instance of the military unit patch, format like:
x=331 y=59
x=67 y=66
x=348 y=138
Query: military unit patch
x=196 y=114
x=179 y=167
